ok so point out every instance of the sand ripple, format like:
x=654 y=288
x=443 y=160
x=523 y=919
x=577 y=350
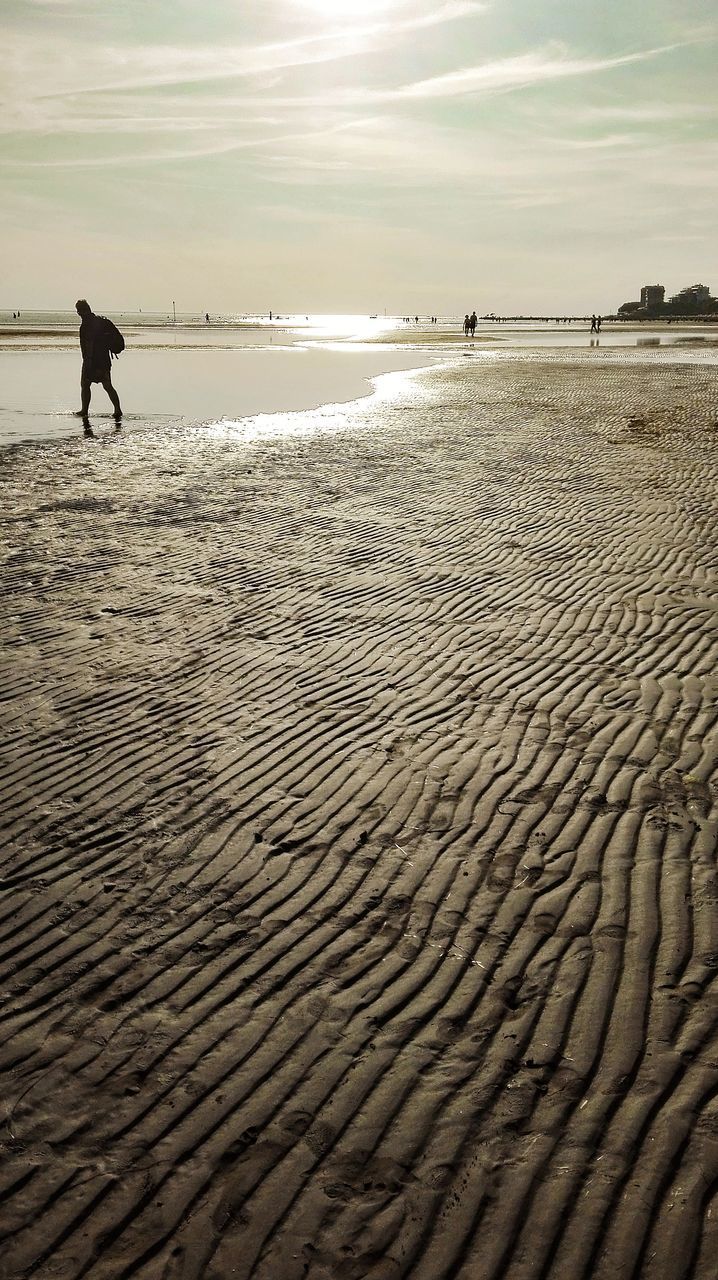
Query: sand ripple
x=359 y=876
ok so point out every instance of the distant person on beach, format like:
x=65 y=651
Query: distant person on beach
x=466 y=324
x=599 y=322
x=593 y=325
x=206 y=317
x=472 y=323
x=99 y=341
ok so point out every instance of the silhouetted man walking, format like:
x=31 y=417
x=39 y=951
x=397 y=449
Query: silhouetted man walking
x=99 y=340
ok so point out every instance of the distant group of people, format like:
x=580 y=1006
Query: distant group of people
x=470 y=321
x=415 y=319
x=597 y=321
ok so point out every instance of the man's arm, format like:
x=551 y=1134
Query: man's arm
x=85 y=340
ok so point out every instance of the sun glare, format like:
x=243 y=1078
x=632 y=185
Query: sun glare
x=347 y=10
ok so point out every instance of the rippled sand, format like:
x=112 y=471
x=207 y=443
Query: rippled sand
x=359 y=877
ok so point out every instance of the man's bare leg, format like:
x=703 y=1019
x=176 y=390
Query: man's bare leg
x=85 y=390
x=107 y=384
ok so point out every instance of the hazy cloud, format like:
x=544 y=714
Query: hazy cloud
x=524 y=141
x=647 y=112
x=538 y=67
x=29 y=68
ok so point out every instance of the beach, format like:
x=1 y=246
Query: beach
x=359 y=890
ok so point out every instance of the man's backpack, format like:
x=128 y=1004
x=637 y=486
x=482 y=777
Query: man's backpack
x=115 y=341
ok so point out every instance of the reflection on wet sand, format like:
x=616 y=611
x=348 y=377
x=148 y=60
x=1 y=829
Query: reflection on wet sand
x=88 y=430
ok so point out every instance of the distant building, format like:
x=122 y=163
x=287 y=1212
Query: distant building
x=695 y=297
x=694 y=300
x=652 y=295
x=650 y=304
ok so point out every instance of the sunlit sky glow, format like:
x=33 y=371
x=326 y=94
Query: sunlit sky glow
x=323 y=155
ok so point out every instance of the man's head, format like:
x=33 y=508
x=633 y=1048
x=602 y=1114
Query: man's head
x=83 y=308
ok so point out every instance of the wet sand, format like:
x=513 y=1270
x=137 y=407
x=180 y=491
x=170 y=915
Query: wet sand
x=359 y=878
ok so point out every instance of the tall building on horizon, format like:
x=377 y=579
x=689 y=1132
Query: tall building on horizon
x=693 y=296
x=652 y=295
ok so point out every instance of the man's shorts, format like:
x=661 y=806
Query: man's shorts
x=94 y=373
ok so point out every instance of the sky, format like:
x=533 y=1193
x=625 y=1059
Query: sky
x=431 y=156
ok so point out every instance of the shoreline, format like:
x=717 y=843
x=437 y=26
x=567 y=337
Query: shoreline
x=166 y=375
x=307 y=326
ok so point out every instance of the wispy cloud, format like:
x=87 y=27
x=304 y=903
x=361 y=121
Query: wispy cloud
x=26 y=61
x=548 y=64
x=608 y=142
x=337 y=130
x=537 y=67
x=646 y=112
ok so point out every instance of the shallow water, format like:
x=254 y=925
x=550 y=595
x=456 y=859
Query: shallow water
x=194 y=373
x=39 y=390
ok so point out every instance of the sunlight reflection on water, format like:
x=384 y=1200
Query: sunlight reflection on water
x=327 y=420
